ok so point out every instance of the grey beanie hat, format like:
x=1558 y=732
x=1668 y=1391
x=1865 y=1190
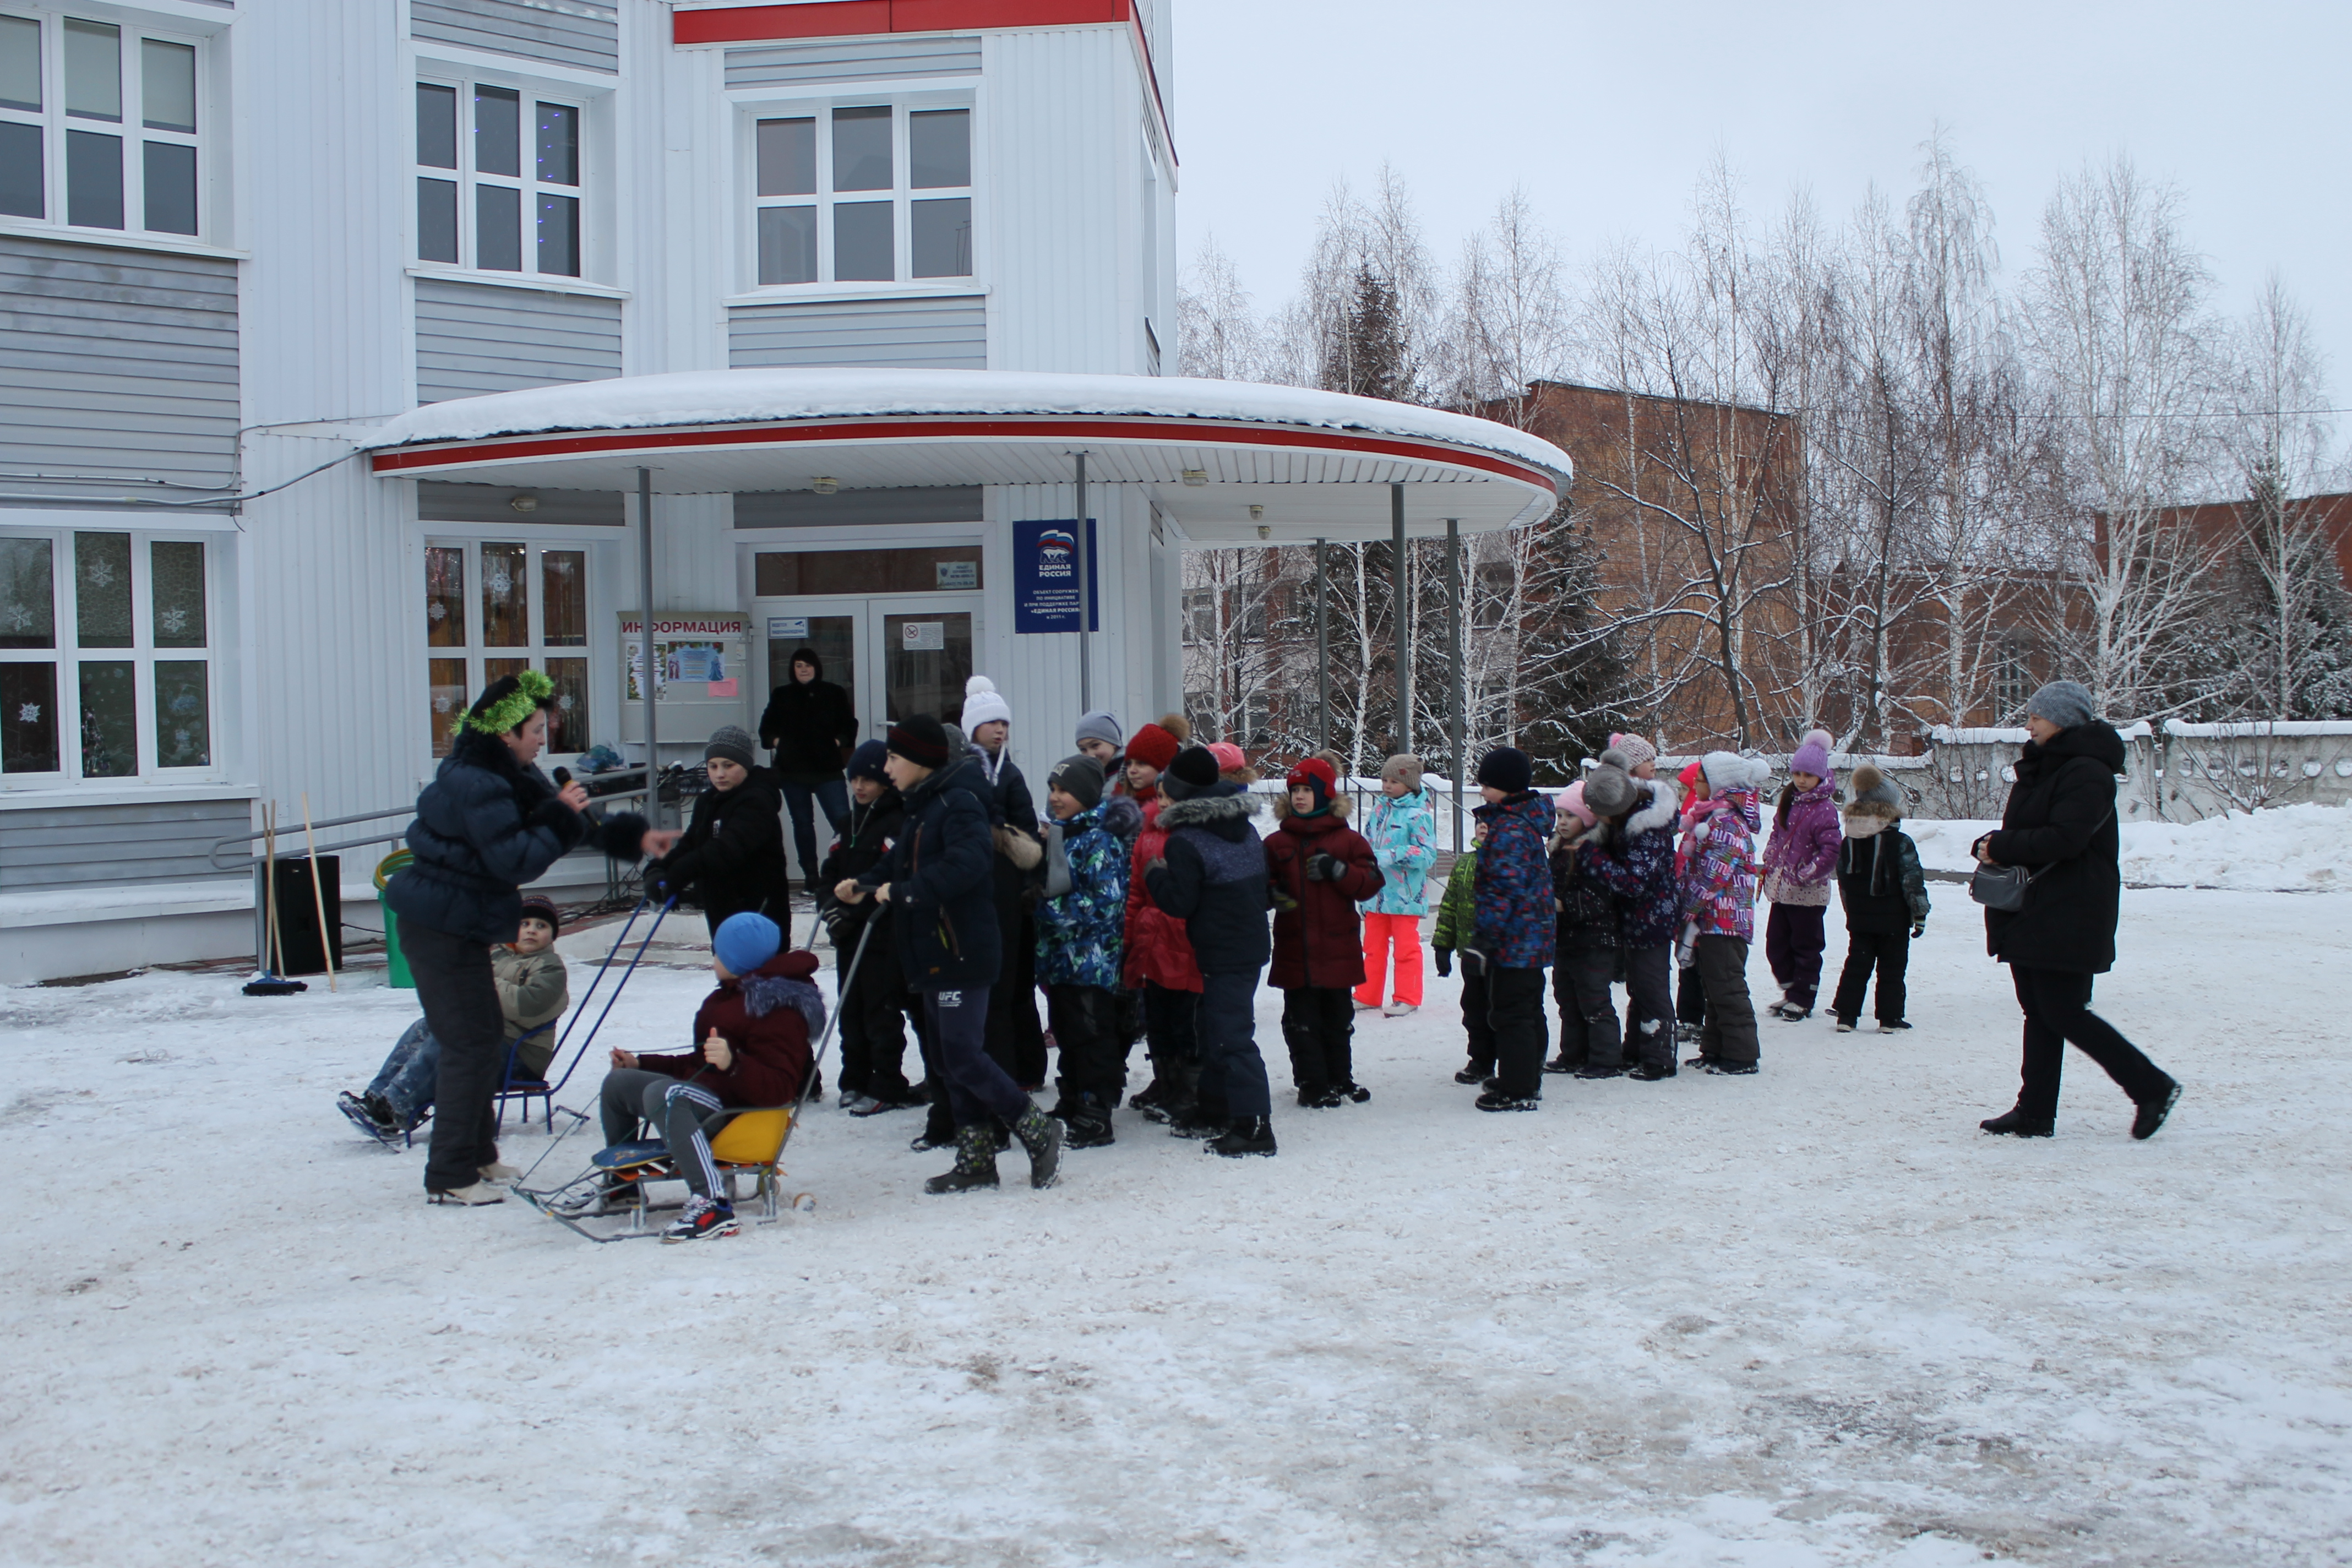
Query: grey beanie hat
x=733 y=742
x=1080 y=777
x=2065 y=703
x=1102 y=724
x=1608 y=790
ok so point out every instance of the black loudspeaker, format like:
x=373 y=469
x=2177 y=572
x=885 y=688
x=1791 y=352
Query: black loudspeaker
x=297 y=918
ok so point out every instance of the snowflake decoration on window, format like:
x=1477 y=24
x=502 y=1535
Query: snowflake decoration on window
x=560 y=565
x=19 y=617
x=499 y=582
x=441 y=704
x=437 y=612
x=564 y=702
x=174 y=619
x=29 y=713
x=99 y=574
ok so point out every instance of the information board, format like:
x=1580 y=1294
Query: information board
x=701 y=663
x=1046 y=576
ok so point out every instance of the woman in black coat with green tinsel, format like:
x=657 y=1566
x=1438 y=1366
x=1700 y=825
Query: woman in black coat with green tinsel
x=489 y=822
x=2060 y=824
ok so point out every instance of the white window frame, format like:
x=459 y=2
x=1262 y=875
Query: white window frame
x=901 y=194
x=467 y=178
x=131 y=129
x=68 y=656
x=477 y=649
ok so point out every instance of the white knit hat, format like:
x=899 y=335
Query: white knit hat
x=983 y=704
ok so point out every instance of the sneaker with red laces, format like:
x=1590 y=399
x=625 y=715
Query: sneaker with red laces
x=702 y=1217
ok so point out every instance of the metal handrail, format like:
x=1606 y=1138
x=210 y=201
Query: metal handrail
x=408 y=809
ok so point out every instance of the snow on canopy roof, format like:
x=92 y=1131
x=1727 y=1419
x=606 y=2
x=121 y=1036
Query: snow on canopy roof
x=744 y=396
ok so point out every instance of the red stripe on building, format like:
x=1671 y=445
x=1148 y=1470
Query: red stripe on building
x=848 y=19
x=921 y=427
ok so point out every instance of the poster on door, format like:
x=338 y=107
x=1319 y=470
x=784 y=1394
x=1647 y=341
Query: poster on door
x=1046 y=576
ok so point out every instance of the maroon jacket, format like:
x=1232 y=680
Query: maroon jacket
x=766 y=1017
x=1320 y=941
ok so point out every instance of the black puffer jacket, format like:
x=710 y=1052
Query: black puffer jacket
x=1587 y=915
x=942 y=892
x=485 y=825
x=1213 y=878
x=732 y=852
x=808 y=726
x=2061 y=823
x=872 y=829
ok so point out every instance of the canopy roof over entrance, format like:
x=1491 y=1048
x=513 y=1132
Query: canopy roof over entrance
x=1319 y=464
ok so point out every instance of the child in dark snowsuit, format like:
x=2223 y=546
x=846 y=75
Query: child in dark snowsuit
x=1588 y=948
x=1512 y=936
x=1080 y=917
x=1318 y=868
x=873 y=1013
x=1799 y=862
x=1633 y=855
x=1885 y=899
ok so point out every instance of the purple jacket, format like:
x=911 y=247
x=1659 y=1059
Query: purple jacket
x=1511 y=893
x=1802 y=857
x=1637 y=866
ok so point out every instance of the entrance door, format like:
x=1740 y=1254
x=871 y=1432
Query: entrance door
x=837 y=633
x=897 y=656
x=925 y=654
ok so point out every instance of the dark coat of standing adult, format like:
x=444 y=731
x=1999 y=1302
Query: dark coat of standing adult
x=1318 y=939
x=2060 y=823
x=485 y=825
x=943 y=887
x=732 y=852
x=1213 y=878
x=809 y=725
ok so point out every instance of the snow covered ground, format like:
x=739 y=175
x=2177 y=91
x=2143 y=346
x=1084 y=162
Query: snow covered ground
x=2293 y=849
x=1808 y=1317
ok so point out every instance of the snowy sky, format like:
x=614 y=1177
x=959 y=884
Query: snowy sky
x=1606 y=115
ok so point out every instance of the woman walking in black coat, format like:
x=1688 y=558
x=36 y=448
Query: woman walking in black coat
x=2060 y=824
x=809 y=726
x=731 y=856
x=488 y=823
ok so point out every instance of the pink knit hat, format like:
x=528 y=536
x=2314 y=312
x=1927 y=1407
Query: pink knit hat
x=1229 y=756
x=1571 y=800
x=1637 y=749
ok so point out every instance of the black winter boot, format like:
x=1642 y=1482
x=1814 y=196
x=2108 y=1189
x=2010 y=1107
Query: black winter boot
x=2152 y=1112
x=975 y=1164
x=2013 y=1122
x=1088 y=1120
x=1198 y=1121
x=1247 y=1135
x=1042 y=1136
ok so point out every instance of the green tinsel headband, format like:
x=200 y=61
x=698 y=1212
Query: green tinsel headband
x=531 y=688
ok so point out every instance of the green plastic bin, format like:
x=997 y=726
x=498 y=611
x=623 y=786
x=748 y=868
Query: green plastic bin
x=396 y=962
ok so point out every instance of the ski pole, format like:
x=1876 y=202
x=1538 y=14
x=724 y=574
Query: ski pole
x=832 y=1023
x=563 y=1038
x=591 y=1040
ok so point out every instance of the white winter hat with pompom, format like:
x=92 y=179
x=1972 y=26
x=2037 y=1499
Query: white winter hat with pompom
x=983 y=704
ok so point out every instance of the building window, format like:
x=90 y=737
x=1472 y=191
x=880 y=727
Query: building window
x=864 y=193
x=98 y=125
x=105 y=656
x=498 y=179
x=494 y=608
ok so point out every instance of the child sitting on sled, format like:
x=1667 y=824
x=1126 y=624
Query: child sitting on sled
x=533 y=991
x=754 y=1029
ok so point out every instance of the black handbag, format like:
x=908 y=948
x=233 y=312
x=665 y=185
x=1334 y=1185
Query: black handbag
x=2004 y=888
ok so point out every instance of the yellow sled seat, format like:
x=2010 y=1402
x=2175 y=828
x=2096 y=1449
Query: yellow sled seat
x=751 y=1141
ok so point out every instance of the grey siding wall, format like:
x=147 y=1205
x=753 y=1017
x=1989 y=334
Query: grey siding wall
x=116 y=362
x=565 y=32
x=871 y=509
x=882 y=334
x=86 y=845
x=861 y=59
x=479 y=337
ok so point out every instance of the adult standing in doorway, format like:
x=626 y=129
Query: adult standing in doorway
x=2060 y=824
x=808 y=729
x=488 y=823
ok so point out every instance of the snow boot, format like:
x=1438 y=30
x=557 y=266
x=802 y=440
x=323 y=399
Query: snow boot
x=1722 y=1068
x=1590 y=1071
x=1198 y=1121
x=927 y=1139
x=2014 y=1122
x=701 y=1219
x=474 y=1195
x=1357 y=1093
x=504 y=1175
x=1845 y=1025
x=1896 y=1027
x=1088 y=1118
x=1472 y=1073
x=615 y=1192
x=1247 y=1135
x=1647 y=1072
x=1560 y=1064
x=2152 y=1112
x=1497 y=1099
x=975 y=1162
x=1789 y=1012
x=1393 y=1010
x=1686 y=1034
x=385 y=1130
x=1043 y=1137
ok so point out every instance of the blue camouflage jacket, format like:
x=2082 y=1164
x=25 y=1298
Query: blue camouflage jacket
x=1511 y=898
x=1081 y=931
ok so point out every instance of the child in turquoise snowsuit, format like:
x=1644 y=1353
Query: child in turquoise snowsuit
x=1402 y=831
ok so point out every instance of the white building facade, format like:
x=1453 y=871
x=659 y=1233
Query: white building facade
x=237 y=238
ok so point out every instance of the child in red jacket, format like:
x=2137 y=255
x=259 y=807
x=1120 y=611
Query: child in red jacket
x=1317 y=869
x=755 y=1029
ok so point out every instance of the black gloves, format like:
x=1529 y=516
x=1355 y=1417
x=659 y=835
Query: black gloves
x=661 y=887
x=1444 y=959
x=1324 y=867
x=1918 y=930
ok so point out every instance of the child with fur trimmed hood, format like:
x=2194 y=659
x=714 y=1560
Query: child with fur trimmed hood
x=1586 y=946
x=1632 y=854
x=1719 y=907
x=1886 y=899
x=1798 y=865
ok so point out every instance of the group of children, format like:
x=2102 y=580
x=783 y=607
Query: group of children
x=1139 y=903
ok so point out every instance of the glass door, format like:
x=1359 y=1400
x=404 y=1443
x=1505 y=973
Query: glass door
x=836 y=630
x=925 y=654
x=896 y=656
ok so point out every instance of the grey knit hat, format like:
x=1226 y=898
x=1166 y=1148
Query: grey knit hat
x=733 y=742
x=1102 y=724
x=1608 y=790
x=1406 y=768
x=2065 y=703
x=1080 y=777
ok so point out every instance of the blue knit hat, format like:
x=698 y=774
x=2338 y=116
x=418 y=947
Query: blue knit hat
x=866 y=763
x=745 y=942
